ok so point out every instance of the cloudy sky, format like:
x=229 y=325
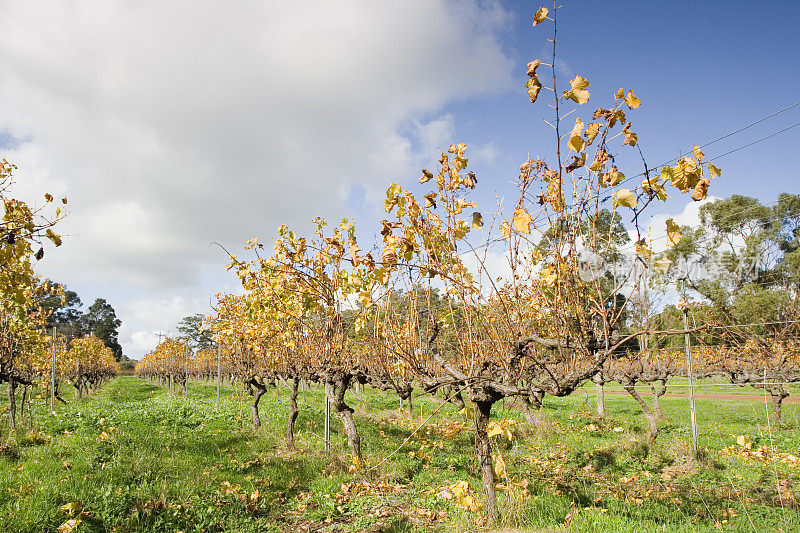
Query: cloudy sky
x=171 y=125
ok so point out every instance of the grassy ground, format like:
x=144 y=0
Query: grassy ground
x=135 y=457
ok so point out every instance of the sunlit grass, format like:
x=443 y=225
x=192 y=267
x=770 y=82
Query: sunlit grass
x=138 y=458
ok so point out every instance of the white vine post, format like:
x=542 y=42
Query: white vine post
x=219 y=369
x=327 y=420
x=689 y=371
x=53 y=376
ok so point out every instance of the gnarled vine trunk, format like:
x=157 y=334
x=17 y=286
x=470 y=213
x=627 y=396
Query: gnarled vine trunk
x=483 y=451
x=651 y=417
x=12 y=405
x=657 y=394
x=337 y=389
x=293 y=414
x=258 y=390
x=778 y=394
x=532 y=401
x=598 y=387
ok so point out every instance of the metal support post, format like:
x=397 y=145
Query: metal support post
x=53 y=376
x=327 y=420
x=219 y=370
x=689 y=372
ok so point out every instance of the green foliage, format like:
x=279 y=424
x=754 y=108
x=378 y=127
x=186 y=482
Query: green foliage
x=102 y=322
x=65 y=315
x=191 y=328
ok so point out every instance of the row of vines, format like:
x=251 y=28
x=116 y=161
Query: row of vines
x=30 y=356
x=422 y=310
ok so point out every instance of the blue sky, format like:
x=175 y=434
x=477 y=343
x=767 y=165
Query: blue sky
x=170 y=128
x=702 y=70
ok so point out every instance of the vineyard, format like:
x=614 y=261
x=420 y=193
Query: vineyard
x=608 y=376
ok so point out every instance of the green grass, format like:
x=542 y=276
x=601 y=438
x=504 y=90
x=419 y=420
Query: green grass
x=138 y=458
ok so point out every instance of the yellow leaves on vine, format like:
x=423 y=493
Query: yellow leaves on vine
x=624 y=198
x=55 y=238
x=591 y=132
x=653 y=186
x=533 y=84
x=631 y=100
x=576 y=142
x=577 y=162
x=505 y=229
x=630 y=137
x=643 y=250
x=548 y=277
x=540 y=16
x=500 y=467
x=612 y=178
x=477 y=220
x=701 y=190
x=522 y=221
x=578 y=92
x=673 y=232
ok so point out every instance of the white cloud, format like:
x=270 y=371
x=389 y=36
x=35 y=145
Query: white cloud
x=170 y=125
x=147 y=317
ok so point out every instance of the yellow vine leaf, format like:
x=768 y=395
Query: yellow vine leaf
x=701 y=190
x=547 y=277
x=576 y=142
x=652 y=185
x=698 y=153
x=662 y=265
x=643 y=250
x=500 y=428
x=53 y=237
x=620 y=93
x=69 y=526
x=630 y=137
x=597 y=166
x=427 y=175
x=614 y=177
x=714 y=171
x=591 y=132
x=477 y=220
x=540 y=16
x=625 y=198
x=684 y=175
x=673 y=232
x=577 y=162
x=522 y=220
x=71 y=508
x=631 y=100
x=505 y=229
x=534 y=86
x=500 y=468
x=578 y=92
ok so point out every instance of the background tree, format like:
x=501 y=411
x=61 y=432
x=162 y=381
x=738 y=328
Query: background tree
x=191 y=328
x=65 y=314
x=101 y=321
x=748 y=288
